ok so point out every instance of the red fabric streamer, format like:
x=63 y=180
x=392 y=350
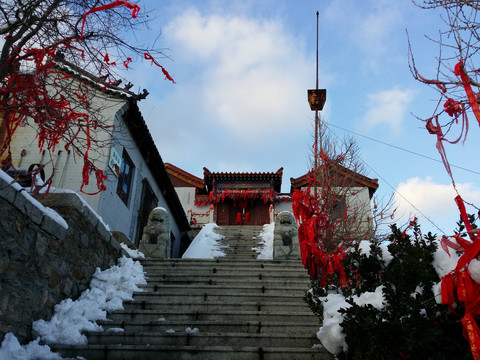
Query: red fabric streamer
x=464 y=215
x=126 y=62
x=452 y=107
x=471 y=249
x=448 y=287
x=437 y=130
x=241 y=196
x=445 y=243
x=165 y=72
x=135 y=11
x=458 y=286
x=472 y=99
x=106 y=58
x=314 y=227
x=239 y=218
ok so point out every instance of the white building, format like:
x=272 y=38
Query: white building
x=124 y=150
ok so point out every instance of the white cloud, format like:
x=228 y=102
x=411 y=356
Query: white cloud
x=369 y=28
x=388 y=107
x=435 y=200
x=253 y=76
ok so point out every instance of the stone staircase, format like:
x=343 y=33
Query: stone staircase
x=233 y=307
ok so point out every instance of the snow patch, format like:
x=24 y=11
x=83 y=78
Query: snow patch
x=115 y=330
x=265 y=246
x=134 y=254
x=331 y=334
x=108 y=289
x=12 y=350
x=206 y=245
x=443 y=263
x=364 y=247
x=192 y=331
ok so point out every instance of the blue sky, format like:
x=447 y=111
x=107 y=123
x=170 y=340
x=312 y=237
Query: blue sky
x=242 y=70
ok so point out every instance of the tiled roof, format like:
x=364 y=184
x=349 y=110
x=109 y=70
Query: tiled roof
x=372 y=184
x=274 y=179
x=184 y=175
x=243 y=176
x=96 y=82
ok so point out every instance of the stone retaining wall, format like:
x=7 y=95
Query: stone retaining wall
x=41 y=260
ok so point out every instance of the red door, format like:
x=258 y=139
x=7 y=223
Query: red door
x=256 y=213
x=223 y=213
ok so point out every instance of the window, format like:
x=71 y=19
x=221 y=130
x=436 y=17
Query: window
x=339 y=208
x=125 y=177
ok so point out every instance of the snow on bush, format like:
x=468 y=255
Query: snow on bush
x=392 y=305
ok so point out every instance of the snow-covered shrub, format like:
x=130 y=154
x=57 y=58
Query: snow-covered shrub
x=389 y=310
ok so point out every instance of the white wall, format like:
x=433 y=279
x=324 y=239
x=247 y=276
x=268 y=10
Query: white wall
x=116 y=214
x=202 y=214
x=68 y=165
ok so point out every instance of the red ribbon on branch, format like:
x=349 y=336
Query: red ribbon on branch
x=459 y=286
x=147 y=56
x=135 y=11
x=472 y=99
x=437 y=130
x=314 y=225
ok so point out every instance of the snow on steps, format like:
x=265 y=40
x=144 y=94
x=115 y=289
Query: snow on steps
x=234 y=307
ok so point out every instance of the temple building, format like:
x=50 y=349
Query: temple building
x=243 y=198
x=228 y=198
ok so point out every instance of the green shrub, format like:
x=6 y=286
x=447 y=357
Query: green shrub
x=411 y=325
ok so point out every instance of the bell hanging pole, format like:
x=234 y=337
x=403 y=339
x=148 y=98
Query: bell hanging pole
x=316 y=100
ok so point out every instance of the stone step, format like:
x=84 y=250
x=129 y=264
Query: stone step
x=234 y=255
x=222 y=272
x=149 y=352
x=228 y=297
x=234 y=274
x=224 y=280
x=155 y=316
x=256 y=265
x=243 y=308
x=239 y=288
x=201 y=339
x=220 y=326
x=222 y=262
x=213 y=305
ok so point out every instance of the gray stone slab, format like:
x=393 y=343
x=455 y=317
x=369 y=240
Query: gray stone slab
x=31 y=210
x=7 y=191
x=52 y=227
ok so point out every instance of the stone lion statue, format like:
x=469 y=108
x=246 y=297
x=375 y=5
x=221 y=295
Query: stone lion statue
x=155 y=240
x=285 y=237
